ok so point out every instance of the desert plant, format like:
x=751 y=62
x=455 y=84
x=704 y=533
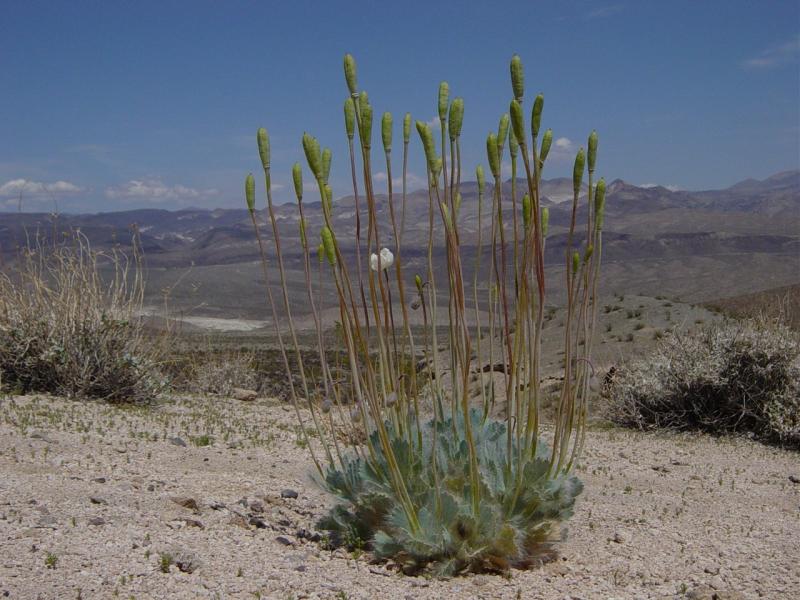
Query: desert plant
x=71 y=324
x=431 y=480
x=728 y=377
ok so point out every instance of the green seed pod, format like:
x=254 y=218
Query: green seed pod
x=418 y=283
x=329 y=245
x=577 y=171
x=600 y=203
x=437 y=167
x=576 y=262
x=426 y=135
x=588 y=254
x=406 y=128
x=263 y=147
x=517 y=121
x=502 y=132
x=386 y=131
x=311 y=148
x=456 y=118
x=366 y=125
x=536 y=114
x=481 y=179
x=321 y=252
x=547 y=141
x=350 y=73
x=297 y=177
x=444 y=97
x=327 y=156
x=517 y=78
x=545 y=220
x=493 y=155
x=303 y=232
x=250 y=192
x=448 y=220
x=513 y=144
x=350 y=117
x=362 y=98
x=457 y=203
x=329 y=198
x=592 y=150
x=526 y=211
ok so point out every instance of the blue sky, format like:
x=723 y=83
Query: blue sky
x=117 y=105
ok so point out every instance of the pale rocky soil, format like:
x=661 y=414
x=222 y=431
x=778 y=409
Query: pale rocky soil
x=94 y=488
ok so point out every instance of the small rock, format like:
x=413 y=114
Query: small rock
x=243 y=394
x=97 y=500
x=258 y=522
x=96 y=521
x=794 y=479
x=186 y=561
x=284 y=540
x=288 y=493
x=711 y=570
x=620 y=537
x=257 y=506
x=47 y=521
x=701 y=592
x=176 y=441
x=99 y=479
x=185 y=502
x=238 y=520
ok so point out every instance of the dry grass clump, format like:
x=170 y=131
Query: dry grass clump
x=730 y=377
x=70 y=325
x=220 y=373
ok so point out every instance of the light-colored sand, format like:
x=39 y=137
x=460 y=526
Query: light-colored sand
x=662 y=516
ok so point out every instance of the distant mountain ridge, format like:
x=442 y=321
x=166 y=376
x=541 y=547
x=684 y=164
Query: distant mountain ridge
x=744 y=238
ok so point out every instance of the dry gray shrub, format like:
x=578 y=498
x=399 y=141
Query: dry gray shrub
x=70 y=324
x=730 y=377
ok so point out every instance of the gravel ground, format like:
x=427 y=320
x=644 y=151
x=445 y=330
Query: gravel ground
x=195 y=499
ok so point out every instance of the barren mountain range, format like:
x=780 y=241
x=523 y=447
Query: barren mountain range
x=698 y=246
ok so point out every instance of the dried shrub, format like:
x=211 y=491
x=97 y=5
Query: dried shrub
x=730 y=377
x=70 y=324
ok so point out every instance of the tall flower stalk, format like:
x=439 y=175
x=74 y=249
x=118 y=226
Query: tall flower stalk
x=438 y=482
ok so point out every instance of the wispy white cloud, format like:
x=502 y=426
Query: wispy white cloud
x=602 y=12
x=434 y=122
x=15 y=187
x=775 y=56
x=413 y=181
x=154 y=190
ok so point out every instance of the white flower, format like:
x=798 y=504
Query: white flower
x=386 y=260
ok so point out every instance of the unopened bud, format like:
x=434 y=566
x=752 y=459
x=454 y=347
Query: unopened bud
x=545 y=220
x=517 y=121
x=444 y=97
x=386 y=131
x=327 y=156
x=547 y=141
x=536 y=114
x=350 y=117
x=350 y=73
x=577 y=171
x=517 y=78
x=502 y=133
x=328 y=244
x=406 y=128
x=263 y=147
x=311 y=149
x=481 y=179
x=456 y=118
x=250 y=192
x=592 y=151
x=297 y=177
x=493 y=155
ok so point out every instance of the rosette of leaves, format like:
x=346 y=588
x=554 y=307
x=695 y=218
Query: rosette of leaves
x=517 y=521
